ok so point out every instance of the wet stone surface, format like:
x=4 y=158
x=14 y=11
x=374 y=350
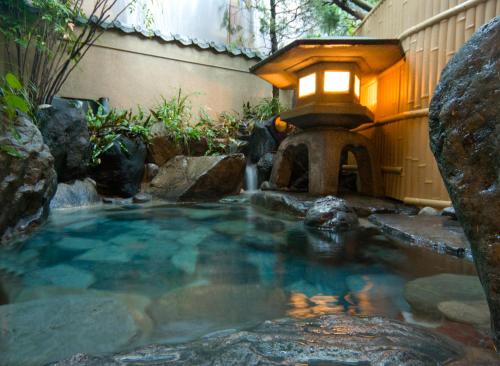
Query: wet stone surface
x=327 y=340
x=441 y=233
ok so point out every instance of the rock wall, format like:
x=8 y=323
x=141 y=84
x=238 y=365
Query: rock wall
x=464 y=129
x=27 y=180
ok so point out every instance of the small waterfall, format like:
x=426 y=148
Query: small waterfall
x=251 y=177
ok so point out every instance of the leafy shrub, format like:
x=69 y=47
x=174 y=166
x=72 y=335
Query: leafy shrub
x=42 y=42
x=264 y=109
x=176 y=116
x=13 y=99
x=106 y=128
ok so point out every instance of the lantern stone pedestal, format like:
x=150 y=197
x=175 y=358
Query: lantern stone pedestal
x=325 y=147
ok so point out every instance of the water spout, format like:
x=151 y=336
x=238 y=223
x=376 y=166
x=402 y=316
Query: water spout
x=251 y=177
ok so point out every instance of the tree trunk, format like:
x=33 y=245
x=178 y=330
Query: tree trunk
x=274 y=38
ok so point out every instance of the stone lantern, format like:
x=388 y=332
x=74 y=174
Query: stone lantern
x=327 y=76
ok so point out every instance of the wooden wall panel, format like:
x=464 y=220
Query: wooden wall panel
x=431 y=32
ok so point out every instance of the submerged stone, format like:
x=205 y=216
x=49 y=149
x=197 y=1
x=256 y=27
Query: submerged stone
x=424 y=294
x=474 y=312
x=326 y=340
x=41 y=331
x=107 y=253
x=62 y=275
x=194 y=311
x=186 y=259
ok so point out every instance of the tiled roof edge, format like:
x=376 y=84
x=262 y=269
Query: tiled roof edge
x=185 y=41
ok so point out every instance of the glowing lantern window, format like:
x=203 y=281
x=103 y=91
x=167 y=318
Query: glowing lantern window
x=357 y=85
x=307 y=85
x=337 y=81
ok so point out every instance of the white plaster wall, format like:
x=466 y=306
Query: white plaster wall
x=132 y=70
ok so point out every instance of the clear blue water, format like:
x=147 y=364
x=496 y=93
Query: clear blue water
x=185 y=271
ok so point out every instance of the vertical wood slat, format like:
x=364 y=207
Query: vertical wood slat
x=406 y=143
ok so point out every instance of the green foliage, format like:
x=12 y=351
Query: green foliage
x=175 y=114
x=264 y=109
x=42 y=43
x=106 y=128
x=13 y=99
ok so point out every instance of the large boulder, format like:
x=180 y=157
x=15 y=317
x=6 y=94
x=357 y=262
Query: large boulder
x=192 y=178
x=332 y=214
x=261 y=140
x=27 y=179
x=326 y=340
x=121 y=169
x=162 y=147
x=64 y=129
x=464 y=128
x=79 y=193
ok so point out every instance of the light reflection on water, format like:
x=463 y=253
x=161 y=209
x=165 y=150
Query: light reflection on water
x=185 y=271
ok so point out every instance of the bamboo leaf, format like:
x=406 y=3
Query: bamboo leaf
x=16 y=102
x=13 y=81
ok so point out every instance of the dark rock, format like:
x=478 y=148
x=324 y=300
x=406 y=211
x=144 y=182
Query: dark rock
x=426 y=293
x=120 y=171
x=150 y=171
x=64 y=129
x=41 y=331
x=438 y=234
x=450 y=212
x=199 y=178
x=264 y=167
x=283 y=203
x=331 y=213
x=327 y=340
x=464 y=129
x=27 y=181
x=79 y=193
x=141 y=198
x=261 y=140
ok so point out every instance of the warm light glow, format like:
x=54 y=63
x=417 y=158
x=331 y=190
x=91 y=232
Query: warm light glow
x=280 y=125
x=337 y=81
x=357 y=85
x=307 y=85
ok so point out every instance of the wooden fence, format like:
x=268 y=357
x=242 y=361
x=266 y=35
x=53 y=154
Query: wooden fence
x=431 y=31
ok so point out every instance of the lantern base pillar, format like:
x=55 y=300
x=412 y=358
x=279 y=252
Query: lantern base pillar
x=325 y=147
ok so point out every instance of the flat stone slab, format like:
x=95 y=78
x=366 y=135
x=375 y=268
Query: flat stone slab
x=327 y=340
x=46 y=330
x=297 y=204
x=439 y=233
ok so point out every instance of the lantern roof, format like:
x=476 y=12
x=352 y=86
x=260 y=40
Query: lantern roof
x=372 y=55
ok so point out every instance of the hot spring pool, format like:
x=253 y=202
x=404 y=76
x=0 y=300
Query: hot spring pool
x=170 y=274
